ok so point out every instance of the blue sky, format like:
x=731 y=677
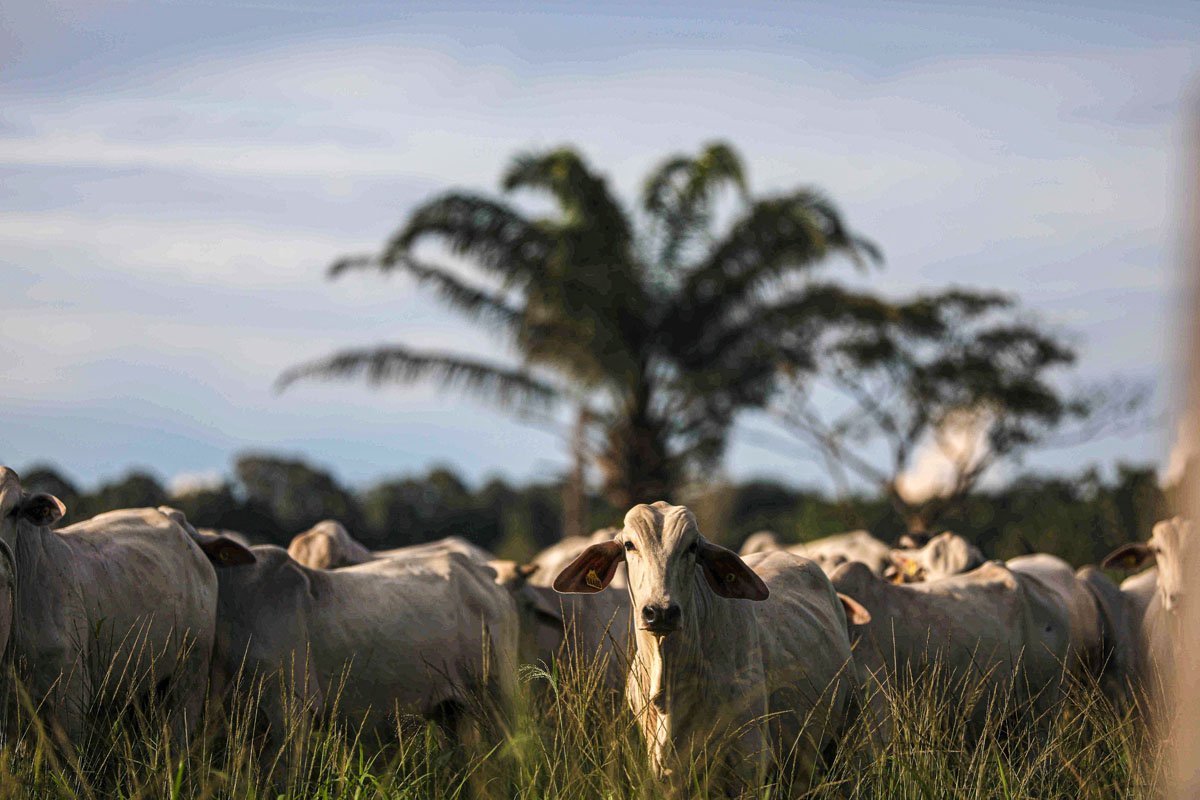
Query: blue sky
x=178 y=175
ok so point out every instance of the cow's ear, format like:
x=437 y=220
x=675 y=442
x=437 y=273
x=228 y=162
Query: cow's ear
x=856 y=614
x=592 y=570
x=907 y=568
x=225 y=552
x=41 y=509
x=1129 y=557
x=728 y=575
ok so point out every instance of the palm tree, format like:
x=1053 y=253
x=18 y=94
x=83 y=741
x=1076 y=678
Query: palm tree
x=659 y=327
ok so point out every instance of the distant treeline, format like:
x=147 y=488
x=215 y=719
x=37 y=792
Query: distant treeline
x=270 y=498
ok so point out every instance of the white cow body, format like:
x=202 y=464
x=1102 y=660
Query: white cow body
x=992 y=628
x=129 y=591
x=721 y=643
x=408 y=637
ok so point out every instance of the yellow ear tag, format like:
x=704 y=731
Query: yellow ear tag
x=592 y=579
x=910 y=567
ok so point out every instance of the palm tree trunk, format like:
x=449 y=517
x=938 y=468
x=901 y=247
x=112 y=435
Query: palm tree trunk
x=636 y=463
x=575 y=503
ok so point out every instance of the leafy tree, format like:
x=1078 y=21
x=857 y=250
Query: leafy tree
x=921 y=398
x=221 y=507
x=137 y=489
x=658 y=326
x=413 y=510
x=295 y=494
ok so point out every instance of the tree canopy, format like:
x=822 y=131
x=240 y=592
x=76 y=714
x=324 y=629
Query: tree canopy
x=922 y=397
x=660 y=322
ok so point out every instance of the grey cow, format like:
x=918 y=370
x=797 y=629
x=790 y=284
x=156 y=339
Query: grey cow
x=430 y=636
x=1100 y=648
x=978 y=635
x=132 y=589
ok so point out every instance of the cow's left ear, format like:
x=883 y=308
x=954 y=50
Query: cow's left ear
x=41 y=509
x=225 y=552
x=728 y=575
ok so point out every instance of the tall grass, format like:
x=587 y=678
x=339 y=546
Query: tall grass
x=571 y=737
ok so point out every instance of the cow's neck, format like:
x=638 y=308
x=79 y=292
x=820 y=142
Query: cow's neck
x=32 y=548
x=39 y=561
x=676 y=679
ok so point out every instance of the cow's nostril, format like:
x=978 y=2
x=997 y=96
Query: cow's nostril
x=661 y=617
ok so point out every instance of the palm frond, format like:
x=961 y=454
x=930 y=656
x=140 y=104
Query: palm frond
x=496 y=237
x=583 y=195
x=472 y=301
x=355 y=262
x=776 y=237
x=680 y=194
x=394 y=364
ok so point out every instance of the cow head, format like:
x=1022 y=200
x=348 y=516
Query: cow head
x=663 y=551
x=1166 y=550
x=943 y=555
x=18 y=506
x=760 y=542
x=327 y=545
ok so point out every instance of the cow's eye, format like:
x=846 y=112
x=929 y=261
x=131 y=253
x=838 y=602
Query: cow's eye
x=629 y=548
x=692 y=548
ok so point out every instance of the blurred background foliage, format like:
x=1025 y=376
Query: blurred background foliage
x=270 y=498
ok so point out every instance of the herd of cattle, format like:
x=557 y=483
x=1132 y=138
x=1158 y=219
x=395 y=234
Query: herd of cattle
x=770 y=650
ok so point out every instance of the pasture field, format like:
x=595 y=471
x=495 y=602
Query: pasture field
x=570 y=738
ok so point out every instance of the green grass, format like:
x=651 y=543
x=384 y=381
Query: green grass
x=571 y=738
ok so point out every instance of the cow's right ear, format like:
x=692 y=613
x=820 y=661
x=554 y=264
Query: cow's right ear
x=41 y=510
x=225 y=552
x=592 y=571
x=856 y=613
x=1129 y=557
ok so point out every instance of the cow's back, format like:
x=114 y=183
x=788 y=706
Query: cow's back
x=450 y=544
x=134 y=564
